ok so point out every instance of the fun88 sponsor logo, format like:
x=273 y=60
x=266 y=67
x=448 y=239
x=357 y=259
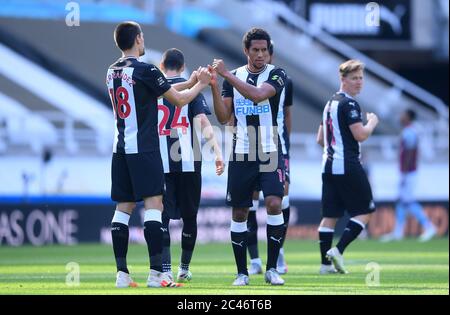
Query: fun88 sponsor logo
x=247 y=108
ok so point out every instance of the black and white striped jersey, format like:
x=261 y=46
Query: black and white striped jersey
x=134 y=88
x=286 y=100
x=179 y=141
x=261 y=116
x=341 y=150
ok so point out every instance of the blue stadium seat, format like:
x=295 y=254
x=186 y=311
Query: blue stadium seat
x=89 y=11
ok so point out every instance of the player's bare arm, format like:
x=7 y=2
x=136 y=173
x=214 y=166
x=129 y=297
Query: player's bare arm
x=362 y=132
x=181 y=86
x=319 y=138
x=182 y=98
x=253 y=93
x=208 y=133
x=222 y=106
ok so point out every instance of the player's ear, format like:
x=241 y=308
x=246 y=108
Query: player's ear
x=161 y=66
x=139 y=38
x=246 y=51
x=182 y=68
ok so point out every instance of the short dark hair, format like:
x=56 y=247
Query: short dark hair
x=271 y=48
x=255 y=34
x=412 y=115
x=173 y=59
x=125 y=34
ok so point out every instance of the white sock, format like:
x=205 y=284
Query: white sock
x=121 y=217
x=238 y=227
x=277 y=219
x=152 y=215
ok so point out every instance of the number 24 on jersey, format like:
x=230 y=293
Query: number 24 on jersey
x=176 y=123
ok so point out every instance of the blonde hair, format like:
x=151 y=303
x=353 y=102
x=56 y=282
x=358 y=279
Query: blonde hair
x=350 y=66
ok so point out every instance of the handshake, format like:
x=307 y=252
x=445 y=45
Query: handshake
x=208 y=75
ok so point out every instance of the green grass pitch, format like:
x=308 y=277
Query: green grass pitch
x=406 y=267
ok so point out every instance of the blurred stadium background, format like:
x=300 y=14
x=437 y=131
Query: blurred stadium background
x=56 y=124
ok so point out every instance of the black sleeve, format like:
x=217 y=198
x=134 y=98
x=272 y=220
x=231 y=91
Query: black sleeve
x=199 y=106
x=155 y=80
x=352 y=112
x=277 y=79
x=288 y=96
x=227 y=89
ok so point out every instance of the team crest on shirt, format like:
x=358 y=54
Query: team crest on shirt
x=354 y=114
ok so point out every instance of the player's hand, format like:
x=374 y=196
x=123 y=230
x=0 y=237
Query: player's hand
x=204 y=76
x=193 y=77
x=219 y=66
x=220 y=166
x=372 y=117
x=213 y=76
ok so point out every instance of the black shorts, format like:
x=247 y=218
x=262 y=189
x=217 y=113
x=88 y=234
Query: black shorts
x=182 y=196
x=350 y=192
x=286 y=172
x=136 y=176
x=244 y=177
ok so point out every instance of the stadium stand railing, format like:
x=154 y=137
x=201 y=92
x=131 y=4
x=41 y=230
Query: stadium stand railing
x=70 y=104
x=314 y=56
x=21 y=127
x=314 y=44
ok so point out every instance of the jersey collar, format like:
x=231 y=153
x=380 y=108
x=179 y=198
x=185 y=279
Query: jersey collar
x=129 y=57
x=345 y=94
x=259 y=72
